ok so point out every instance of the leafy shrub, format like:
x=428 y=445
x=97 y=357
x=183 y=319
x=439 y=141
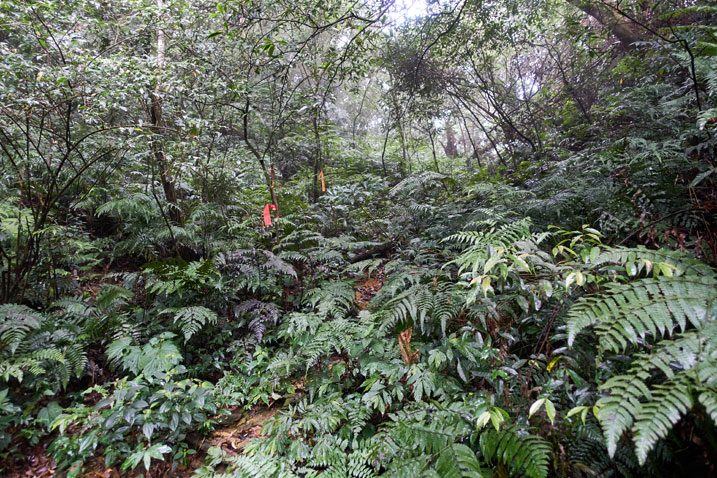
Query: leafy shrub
x=140 y=418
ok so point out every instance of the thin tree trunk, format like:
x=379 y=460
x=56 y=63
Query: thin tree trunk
x=259 y=157
x=315 y=193
x=383 y=152
x=403 y=146
x=470 y=139
x=165 y=176
x=433 y=150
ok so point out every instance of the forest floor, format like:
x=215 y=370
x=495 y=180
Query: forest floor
x=230 y=437
x=368 y=289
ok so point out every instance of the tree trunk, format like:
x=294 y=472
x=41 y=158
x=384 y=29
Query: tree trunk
x=450 y=148
x=315 y=191
x=621 y=28
x=165 y=176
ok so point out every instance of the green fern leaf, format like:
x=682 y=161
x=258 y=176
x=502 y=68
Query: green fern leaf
x=459 y=461
x=191 y=319
x=626 y=313
x=656 y=418
x=524 y=454
x=16 y=322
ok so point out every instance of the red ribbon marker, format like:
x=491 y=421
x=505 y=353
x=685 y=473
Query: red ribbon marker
x=323 y=184
x=267 y=214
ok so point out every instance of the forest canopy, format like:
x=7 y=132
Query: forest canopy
x=365 y=238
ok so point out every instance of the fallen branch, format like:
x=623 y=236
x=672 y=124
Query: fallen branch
x=373 y=252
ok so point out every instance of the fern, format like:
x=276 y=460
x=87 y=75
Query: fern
x=179 y=277
x=660 y=386
x=688 y=363
x=626 y=313
x=34 y=364
x=113 y=296
x=254 y=270
x=293 y=256
x=131 y=207
x=415 y=438
x=332 y=299
x=421 y=304
x=157 y=356
x=17 y=322
x=32 y=345
x=337 y=335
x=503 y=236
x=412 y=183
x=587 y=452
x=459 y=461
x=191 y=320
x=367 y=266
x=73 y=309
x=647 y=259
x=524 y=454
x=246 y=466
x=261 y=314
x=670 y=401
x=511 y=244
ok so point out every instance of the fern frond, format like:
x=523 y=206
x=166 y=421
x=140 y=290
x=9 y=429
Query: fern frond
x=422 y=304
x=327 y=255
x=258 y=464
x=670 y=401
x=190 y=320
x=32 y=345
x=487 y=218
x=588 y=452
x=73 y=308
x=113 y=296
x=261 y=314
x=415 y=181
x=16 y=322
x=368 y=265
x=274 y=262
x=158 y=355
x=132 y=206
x=332 y=299
x=336 y=335
x=626 y=313
x=36 y=363
x=643 y=256
x=708 y=399
x=459 y=461
x=650 y=411
x=293 y=256
x=502 y=236
x=524 y=454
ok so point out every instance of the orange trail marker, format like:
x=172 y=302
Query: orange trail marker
x=323 y=184
x=267 y=214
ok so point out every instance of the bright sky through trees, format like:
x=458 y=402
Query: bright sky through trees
x=404 y=10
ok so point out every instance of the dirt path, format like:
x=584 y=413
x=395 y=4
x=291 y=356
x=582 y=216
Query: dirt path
x=369 y=288
x=232 y=437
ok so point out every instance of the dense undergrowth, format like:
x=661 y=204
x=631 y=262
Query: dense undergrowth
x=547 y=310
